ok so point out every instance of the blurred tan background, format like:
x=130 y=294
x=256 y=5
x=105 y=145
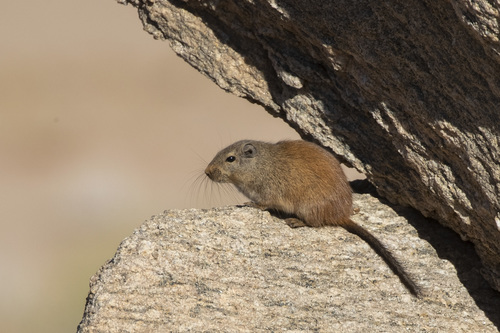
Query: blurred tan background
x=101 y=127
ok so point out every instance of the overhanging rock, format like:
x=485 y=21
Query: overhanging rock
x=406 y=92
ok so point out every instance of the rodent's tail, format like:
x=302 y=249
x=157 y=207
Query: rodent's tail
x=382 y=251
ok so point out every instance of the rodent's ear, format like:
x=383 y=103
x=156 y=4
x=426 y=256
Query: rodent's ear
x=249 y=150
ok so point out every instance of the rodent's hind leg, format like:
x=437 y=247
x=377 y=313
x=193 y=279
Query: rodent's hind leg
x=294 y=222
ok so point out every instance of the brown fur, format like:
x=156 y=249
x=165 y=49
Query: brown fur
x=298 y=178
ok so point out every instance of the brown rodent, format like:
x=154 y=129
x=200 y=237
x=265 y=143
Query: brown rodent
x=297 y=178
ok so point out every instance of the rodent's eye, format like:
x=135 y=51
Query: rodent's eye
x=231 y=159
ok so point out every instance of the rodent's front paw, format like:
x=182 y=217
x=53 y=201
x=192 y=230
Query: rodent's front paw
x=255 y=205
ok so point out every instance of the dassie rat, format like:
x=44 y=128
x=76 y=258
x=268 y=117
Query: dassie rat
x=300 y=179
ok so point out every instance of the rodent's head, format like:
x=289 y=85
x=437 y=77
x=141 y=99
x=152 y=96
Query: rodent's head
x=233 y=163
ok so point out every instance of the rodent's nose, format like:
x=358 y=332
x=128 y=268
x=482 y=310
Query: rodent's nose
x=213 y=173
x=208 y=172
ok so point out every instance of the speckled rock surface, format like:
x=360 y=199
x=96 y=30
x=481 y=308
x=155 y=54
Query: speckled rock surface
x=240 y=269
x=408 y=92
